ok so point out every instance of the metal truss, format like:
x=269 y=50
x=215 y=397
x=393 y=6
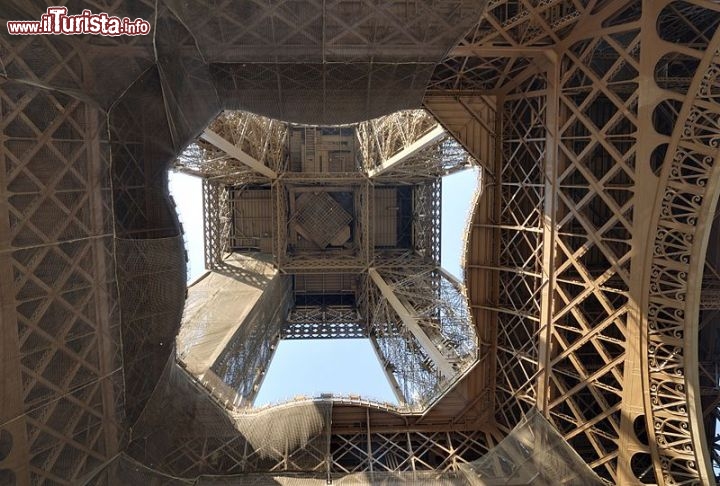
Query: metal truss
x=409 y=147
x=355 y=259
x=570 y=312
x=685 y=210
x=377 y=449
x=441 y=309
x=319 y=322
x=382 y=138
x=394 y=452
x=589 y=281
x=217 y=221
x=263 y=139
x=192 y=161
x=70 y=184
x=61 y=365
x=255 y=137
x=296 y=437
x=444 y=157
x=381 y=452
x=416 y=321
x=423 y=342
x=427 y=200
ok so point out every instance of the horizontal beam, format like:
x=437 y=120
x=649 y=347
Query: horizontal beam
x=429 y=138
x=410 y=320
x=237 y=153
x=501 y=51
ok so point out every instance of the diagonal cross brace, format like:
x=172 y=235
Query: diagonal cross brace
x=428 y=139
x=237 y=153
x=410 y=320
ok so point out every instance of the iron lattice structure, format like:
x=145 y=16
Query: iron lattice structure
x=589 y=266
x=293 y=213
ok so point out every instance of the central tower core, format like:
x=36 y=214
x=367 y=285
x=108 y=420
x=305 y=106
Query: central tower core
x=325 y=232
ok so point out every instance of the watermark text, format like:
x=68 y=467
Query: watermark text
x=56 y=21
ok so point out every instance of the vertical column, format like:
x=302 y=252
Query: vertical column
x=108 y=332
x=549 y=224
x=13 y=432
x=212 y=224
x=646 y=186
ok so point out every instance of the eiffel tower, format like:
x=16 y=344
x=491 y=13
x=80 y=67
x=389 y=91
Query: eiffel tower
x=581 y=346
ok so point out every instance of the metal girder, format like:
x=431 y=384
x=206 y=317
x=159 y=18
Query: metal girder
x=617 y=347
x=471 y=120
x=386 y=367
x=607 y=353
x=410 y=320
x=236 y=153
x=426 y=140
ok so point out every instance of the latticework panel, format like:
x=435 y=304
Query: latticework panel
x=217 y=222
x=594 y=176
x=686 y=207
x=320 y=217
x=562 y=254
x=194 y=436
x=385 y=458
x=397 y=452
x=498 y=50
x=319 y=322
x=322 y=33
x=582 y=153
x=383 y=137
x=61 y=407
x=520 y=250
x=426 y=219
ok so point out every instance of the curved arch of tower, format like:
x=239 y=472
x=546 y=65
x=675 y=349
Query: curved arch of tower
x=582 y=346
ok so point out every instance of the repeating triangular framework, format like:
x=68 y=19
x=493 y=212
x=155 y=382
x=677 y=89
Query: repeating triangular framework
x=422 y=339
x=568 y=231
x=596 y=290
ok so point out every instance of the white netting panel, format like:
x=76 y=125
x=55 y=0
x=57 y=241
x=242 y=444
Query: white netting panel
x=533 y=453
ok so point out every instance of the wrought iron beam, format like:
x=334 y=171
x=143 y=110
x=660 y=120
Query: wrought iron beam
x=410 y=320
x=237 y=153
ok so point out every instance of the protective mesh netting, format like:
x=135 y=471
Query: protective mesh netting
x=297 y=61
x=151 y=295
x=533 y=453
x=232 y=321
x=185 y=431
x=104 y=117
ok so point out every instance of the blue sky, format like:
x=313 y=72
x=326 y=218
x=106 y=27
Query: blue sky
x=340 y=366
